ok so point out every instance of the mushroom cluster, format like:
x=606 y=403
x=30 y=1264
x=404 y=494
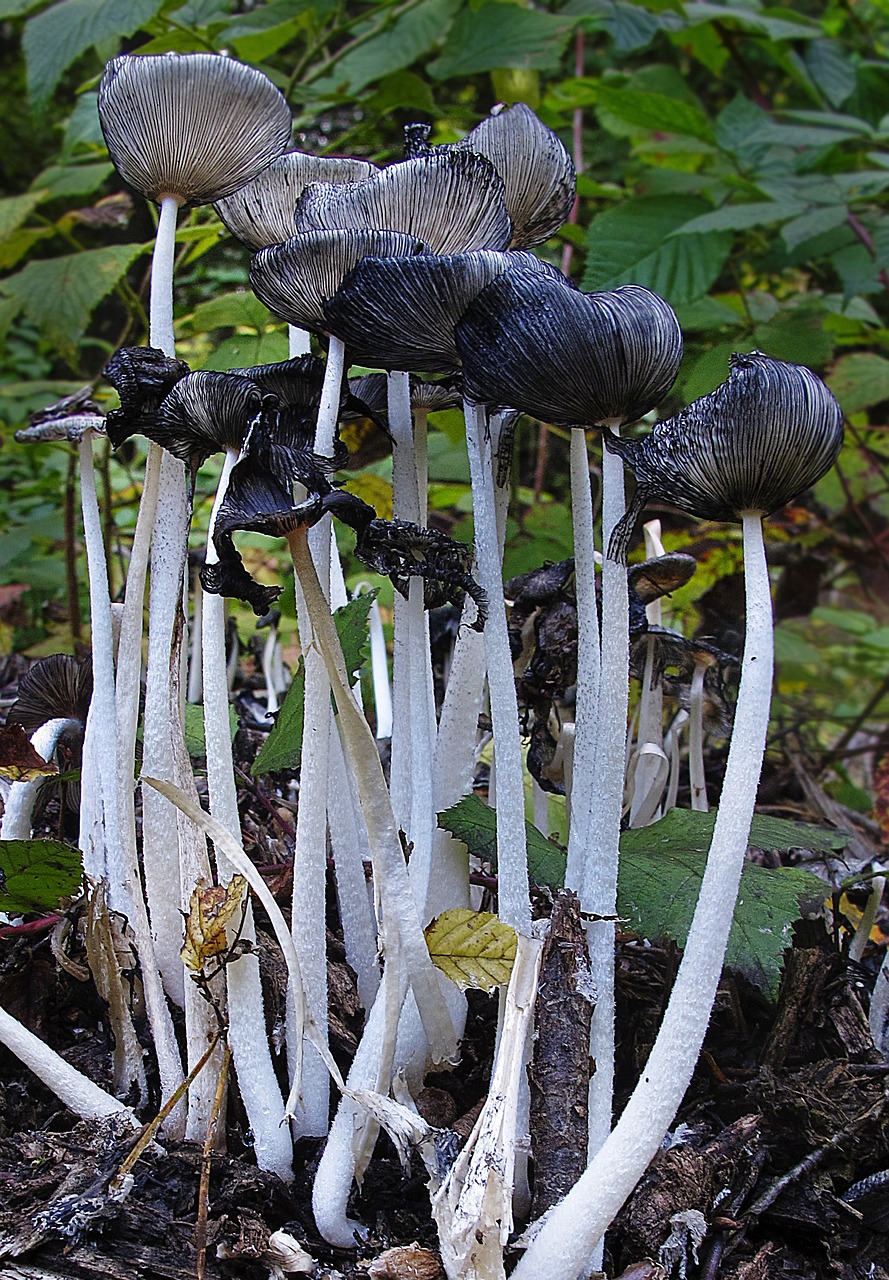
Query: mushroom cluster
x=424 y=271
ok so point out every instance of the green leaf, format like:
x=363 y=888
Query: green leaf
x=231 y=311
x=247 y=349
x=283 y=747
x=774 y=24
x=830 y=70
x=475 y=823
x=256 y=35
x=500 y=35
x=395 y=49
x=656 y=111
x=60 y=294
x=813 y=223
x=633 y=244
x=739 y=217
x=796 y=334
x=55 y=37
x=15 y=209
x=35 y=875
x=404 y=89
x=860 y=380
x=59 y=181
x=194 y=728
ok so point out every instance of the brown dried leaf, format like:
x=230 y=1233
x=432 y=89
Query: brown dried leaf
x=19 y=762
x=210 y=909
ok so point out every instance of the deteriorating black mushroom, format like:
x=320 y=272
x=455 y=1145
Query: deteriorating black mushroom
x=295 y=278
x=209 y=413
x=531 y=341
x=56 y=688
x=770 y=431
x=66 y=419
x=196 y=126
x=261 y=212
x=141 y=376
x=537 y=171
x=453 y=202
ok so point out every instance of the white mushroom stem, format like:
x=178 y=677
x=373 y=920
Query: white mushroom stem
x=299 y=342
x=599 y=895
x=588 y=659
x=512 y=861
x=379 y=666
x=247 y=1037
x=651 y=768
x=76 y=1090
x=18 y=811
x=569 y=1236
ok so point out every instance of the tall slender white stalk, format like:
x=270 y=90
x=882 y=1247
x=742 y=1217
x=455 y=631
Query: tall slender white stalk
x=588 y=659
x=247 y=1036
x=512 y=862
x=569 y=1236
x=600 y=876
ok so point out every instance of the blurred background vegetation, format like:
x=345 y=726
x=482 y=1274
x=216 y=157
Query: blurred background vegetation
x=732 y=156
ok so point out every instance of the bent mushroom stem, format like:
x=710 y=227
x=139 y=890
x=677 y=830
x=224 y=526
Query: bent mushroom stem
x=567 y=1239
x=390 y=872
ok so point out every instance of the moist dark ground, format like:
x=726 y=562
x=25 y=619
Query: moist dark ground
x=787 y=1111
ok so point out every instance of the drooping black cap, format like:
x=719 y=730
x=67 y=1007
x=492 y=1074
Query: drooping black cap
x=196 y=126
x=141 y=376
x=207 y=413
x=295 y=279
x=261 y=213
x=401 y=313
x=531 y=341
x=770 y=431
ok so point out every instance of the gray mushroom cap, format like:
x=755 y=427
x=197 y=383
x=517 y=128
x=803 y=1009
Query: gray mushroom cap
x=454 y=201
x=261 y=212
x=537 y=171
x=295 y=279
x=770 y=431
x=196 y=126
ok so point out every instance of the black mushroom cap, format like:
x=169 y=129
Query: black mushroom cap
x=531 y=341
x=537 y=171
x=196 y=126
x=454 y=202
x=769 y=432
x=400 y=313
x=261 y=213
x=59 y=687
x=209 y=413
x=295 y=278
x=142 y=377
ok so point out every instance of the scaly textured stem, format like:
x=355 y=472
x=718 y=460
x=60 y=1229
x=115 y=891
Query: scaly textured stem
x=567 y=1239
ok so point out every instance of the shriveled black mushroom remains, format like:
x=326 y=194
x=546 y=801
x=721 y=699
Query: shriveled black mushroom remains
x=267 y=414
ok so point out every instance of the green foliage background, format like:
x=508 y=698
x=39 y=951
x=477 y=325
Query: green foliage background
x=734 y=157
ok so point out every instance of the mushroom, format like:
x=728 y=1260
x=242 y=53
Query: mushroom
x=771 y=430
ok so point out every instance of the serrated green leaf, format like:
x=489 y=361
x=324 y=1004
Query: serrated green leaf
x=55 y=37
x=796 y=334
x=814 y=222
x=860 y=380
x=475 y=823
x=633 y=244
x=60 y=294
x=830 y=70
x=283 y=747
x=774 y=25
x=15 y=209
x=35 y=875
x=243 y=350
x=656 y=111
x=60 y=181
x=740 y=217
x=472 y=948
x=499 y=35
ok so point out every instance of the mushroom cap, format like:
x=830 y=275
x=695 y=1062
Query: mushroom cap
x=771 y=430
x=208 y=412
x=454 y=201
x=196 y=126
x=141 y=376
x=538 y=173
x=295 y=278
x=58 y=687
x=262 y=212
x=531 y=341
x=401 y=313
